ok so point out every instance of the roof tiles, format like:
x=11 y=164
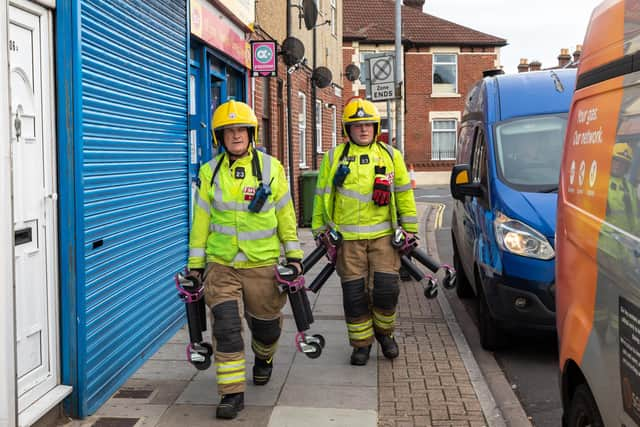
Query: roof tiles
x=374 y=21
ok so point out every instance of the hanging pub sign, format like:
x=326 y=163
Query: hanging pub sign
x=263 y=58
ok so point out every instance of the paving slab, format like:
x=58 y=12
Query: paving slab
x=329 y=396
x=290 y=416
x=204 y=416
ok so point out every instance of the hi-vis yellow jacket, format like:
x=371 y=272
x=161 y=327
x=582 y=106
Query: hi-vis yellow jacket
x=225 y=232
x=350 y=208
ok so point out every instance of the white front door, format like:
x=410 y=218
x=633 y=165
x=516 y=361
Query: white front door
x=32 y=141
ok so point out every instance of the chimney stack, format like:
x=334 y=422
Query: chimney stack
x=535 y=66
x=523 y=67
x=564 y=58
x=577 y=53
x=416 y=4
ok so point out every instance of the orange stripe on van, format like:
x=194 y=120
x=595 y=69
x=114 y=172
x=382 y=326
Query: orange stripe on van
x=582 y=207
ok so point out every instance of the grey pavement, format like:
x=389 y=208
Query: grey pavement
x=434 y=381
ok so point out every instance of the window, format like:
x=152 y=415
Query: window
x=334 y=126
x=318 y=126
x=479 y=166
x=302 y=129
x=443 y=139
x=529 y=151
x=445 y=73
x=334 y=18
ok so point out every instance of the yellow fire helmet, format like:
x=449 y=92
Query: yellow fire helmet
x=233 y=114
x=622 y=151
x=360 y=110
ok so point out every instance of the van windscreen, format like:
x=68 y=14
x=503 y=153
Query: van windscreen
x=529 y=151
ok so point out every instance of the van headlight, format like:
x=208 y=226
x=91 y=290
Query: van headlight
x=518 y=238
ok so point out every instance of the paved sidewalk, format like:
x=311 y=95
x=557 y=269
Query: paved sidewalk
x=434 y=382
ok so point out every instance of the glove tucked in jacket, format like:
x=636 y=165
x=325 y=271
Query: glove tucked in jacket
x=381 y=191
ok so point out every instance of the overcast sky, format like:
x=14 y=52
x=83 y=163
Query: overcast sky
x=535 y=30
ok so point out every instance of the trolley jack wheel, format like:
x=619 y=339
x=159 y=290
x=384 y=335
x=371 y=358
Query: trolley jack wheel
x=317 y=351
x=320 y=338
x=202 y=366
x=449 y=281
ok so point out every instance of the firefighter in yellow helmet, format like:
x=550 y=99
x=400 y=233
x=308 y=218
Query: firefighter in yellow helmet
x=622 y=199
x=242 y=216
x=622 y=207
x=363 y=192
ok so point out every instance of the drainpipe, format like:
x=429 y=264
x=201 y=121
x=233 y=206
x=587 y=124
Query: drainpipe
x=289 y=139
x=314 y=138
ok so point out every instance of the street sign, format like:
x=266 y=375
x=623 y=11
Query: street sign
x=381 y=74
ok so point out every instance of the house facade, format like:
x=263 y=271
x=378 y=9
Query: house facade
x=441 y=61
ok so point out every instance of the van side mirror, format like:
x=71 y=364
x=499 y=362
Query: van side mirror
x=461 y=184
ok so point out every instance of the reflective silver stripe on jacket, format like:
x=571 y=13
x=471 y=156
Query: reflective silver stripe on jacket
x=292 y=246
x=197 y=252
x=204 y=205
x=409 y=219
x=322 y=191
x=402 y=188
x=266 y=167
x=240 y=257
x=243 y=235
x=255 y=235
x=283 y=201
x=319 y=229
x=364 y=198
x=223 y=229
x=366 y=228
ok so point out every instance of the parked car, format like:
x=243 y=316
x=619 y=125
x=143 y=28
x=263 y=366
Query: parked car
x=598 y=243
x=505 y=189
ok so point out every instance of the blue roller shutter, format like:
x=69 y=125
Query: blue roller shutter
x=135 y=195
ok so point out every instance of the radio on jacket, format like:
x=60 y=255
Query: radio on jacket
x=262 y=194
x=341 y=175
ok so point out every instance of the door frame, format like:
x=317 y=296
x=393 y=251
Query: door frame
x=8 y=389
x=38 y=390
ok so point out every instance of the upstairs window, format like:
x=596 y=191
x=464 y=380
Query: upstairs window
x=445 y=73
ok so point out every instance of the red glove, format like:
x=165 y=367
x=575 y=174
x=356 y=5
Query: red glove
x=381 y=191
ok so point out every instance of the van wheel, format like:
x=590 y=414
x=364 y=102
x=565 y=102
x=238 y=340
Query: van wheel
x=491 y=335
x=584 y=411
x=463 y=287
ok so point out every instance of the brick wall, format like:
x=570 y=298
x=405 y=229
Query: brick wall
x=419 y=101
x=418 y=96
x=272 y=111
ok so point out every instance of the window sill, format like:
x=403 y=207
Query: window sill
x=445 y=95
x=303 y=166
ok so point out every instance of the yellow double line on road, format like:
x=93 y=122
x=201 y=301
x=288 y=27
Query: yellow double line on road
x=437 y=224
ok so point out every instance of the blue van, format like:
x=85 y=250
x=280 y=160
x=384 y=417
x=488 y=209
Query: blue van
x=505 y=187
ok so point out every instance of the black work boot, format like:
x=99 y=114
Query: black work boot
x=389 y=346
x=230 y=405
x=360 y=355
x=262 y=370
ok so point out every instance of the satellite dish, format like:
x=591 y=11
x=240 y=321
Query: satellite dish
x=321 y=76
x=353 y=72
x=310 y=13
x=293 y=51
